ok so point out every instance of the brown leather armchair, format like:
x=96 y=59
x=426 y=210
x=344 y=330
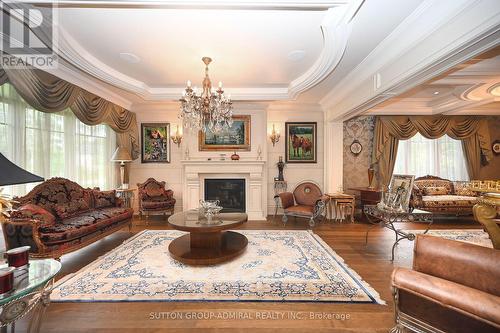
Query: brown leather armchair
x=306 y=201
x=453 y=287
x=154 y=198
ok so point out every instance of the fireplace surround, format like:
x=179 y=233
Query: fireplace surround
x=253 y=172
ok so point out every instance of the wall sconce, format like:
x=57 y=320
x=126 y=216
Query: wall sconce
x=177 y=138
x=275 y=136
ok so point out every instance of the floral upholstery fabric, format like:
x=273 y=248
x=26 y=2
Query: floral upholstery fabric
x=54 y=192
x=435 y=190
x=104 y=199
x=461 y=188
x=154 y=197
x=31 y=211
x=422 y=184
x=71 y=208
x=83 y=224
x=448 y=202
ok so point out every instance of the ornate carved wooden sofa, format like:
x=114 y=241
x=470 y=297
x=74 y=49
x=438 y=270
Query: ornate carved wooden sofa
x=154 y=198
x=442 y=196
x=59 y=216
x=306 y=201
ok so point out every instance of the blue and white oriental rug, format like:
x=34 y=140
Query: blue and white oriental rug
x=277 y=266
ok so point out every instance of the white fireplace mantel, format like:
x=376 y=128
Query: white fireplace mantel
x=194 y=173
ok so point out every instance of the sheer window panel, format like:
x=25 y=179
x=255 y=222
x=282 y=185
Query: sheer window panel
x=442 y=157
x=54 y=144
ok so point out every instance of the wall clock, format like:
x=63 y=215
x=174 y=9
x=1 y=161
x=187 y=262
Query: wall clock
x=496 y=147
x=356 y=147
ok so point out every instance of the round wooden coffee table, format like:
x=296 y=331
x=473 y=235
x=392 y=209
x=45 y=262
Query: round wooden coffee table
x=207 y=244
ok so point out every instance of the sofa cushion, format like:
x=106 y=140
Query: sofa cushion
x=71 y=208
x=435 y=190
x=158 y=202
x=448 y=201
x=422 y=184
x=31 y=211
x=83 y=224
x=301 y=210
x=104 y=199
x=462 y=188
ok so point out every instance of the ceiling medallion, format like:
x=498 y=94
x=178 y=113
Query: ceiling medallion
x=208 y=111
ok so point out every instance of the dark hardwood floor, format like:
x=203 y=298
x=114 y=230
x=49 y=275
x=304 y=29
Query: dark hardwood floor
x=371 y=262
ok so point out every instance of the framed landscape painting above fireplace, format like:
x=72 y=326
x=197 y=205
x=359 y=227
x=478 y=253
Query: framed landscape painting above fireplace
x=237 y=137
x=301 y=142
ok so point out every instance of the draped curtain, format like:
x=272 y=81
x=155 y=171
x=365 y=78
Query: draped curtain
x=48 y=93
x=472 y=130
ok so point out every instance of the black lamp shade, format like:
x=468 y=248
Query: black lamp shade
x=11 y=174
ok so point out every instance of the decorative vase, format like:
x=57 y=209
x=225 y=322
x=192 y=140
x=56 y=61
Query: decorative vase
x=235 y=157
x=371 y=173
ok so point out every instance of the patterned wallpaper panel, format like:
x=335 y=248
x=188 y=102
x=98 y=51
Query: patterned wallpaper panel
x=356 y=167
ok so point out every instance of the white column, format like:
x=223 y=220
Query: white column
x=334 y=155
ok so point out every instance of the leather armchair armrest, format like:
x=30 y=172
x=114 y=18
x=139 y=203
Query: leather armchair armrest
x=287 y=199
x=468 y=301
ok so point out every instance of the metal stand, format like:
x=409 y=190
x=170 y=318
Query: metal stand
x=386 y=219
x=14 y=310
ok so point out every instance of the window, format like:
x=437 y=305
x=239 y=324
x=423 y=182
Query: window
x=54 y=144
x=441 y=157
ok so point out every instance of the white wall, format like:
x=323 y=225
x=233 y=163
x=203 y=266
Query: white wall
x=278 y=114
x=263 y=116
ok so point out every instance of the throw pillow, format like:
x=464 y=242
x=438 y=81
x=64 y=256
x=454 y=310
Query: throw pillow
x=32 y=211
x=436 y=190
x=103 y=199
x=71 y=208
x=463 y=189
x=155 y=192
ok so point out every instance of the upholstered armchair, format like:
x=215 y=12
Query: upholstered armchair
x=305 y=201
x=453 y=287
x=154 y=198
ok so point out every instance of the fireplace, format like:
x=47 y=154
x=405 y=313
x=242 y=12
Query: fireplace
x=229 y=192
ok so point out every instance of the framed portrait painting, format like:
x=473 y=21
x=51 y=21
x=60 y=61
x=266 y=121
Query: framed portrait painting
x=401 y=186
x=301 y=142
x=155 y=143
x=237 y=137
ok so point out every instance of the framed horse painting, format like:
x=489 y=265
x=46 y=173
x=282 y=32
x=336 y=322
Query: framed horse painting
x=155 y=143
x=301 y=142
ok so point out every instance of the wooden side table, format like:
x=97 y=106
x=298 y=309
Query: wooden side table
x=127 y=195
x=340 y=205
x=369 y=196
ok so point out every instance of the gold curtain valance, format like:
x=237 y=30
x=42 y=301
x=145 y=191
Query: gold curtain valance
x=472 y=130
x=48 y=93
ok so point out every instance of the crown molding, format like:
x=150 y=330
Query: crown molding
x=196 y=4
x=434 y=38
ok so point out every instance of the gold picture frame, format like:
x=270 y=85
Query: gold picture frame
x=238 y=137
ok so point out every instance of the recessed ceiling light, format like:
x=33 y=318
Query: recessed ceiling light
x=130 y=57
x=296 y=55
x=495 y=91
x=436 y=93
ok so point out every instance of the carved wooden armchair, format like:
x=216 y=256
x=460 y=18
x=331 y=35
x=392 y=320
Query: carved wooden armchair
x=154 y=198
x=305 y=201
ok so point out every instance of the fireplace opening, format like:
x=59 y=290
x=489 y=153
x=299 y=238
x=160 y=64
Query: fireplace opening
x=229 y=192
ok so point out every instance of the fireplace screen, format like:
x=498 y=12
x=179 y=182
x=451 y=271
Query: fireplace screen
x=229 y=192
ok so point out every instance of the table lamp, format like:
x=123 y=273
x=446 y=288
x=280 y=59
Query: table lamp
x=122 y=155
x=12 y=175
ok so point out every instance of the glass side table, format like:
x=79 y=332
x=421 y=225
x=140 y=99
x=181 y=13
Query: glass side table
x=387 y=218
x=127 y=195
x=31 y=292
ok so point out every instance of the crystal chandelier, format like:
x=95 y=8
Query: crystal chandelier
x=209 y=110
